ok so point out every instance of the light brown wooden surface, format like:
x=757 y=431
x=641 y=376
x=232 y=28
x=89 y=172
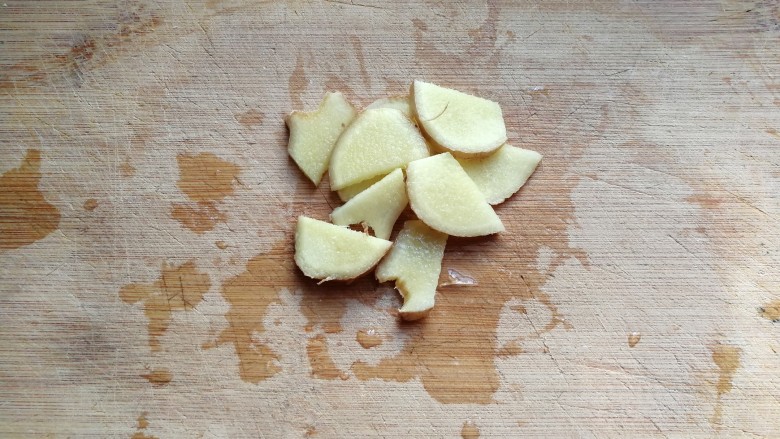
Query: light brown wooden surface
x=147 y=202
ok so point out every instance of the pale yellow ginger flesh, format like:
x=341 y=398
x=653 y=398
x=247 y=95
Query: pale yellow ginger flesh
x=349 y=192
x=377 y=141
x=501 y=174
x=400 y=103
x=414 y=263
x=445 y=198
x=313 y=135
x=329 y=252
x=458 y=122
x=377 y=207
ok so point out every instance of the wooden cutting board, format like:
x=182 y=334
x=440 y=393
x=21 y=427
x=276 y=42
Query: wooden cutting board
x=147 y=203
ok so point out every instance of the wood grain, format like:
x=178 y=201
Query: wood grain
x=147 y=287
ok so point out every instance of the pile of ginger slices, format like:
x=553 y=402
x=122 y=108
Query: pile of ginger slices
x=438 y=150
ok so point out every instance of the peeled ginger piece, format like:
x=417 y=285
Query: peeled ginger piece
x=378 y=141
x=414 y=263
x=458 y=122
x=329 y=252
x=313 y=135
x=501 y=174
x=445 y=198
x=377 y=207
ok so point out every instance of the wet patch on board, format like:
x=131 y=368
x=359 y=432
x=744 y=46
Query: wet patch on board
x=179 y=288
x=25 y=215
x=206 y=180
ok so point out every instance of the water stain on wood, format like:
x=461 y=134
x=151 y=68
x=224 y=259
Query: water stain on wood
x=484 y=37
x=90 y=204
x=142 y=421
x=358 y=48
x=135 y=19
x=633 y=339
x=773 y=132
x=510 y=349
x=205 y=177
x=198 y=217
x=368 y=338
x=771 y=311
x=92 y=343
x=83 y=50
x=178 y=288
x=221 y=245
x=324 y=306
x=469 y=430
x=21 y=75
x=206 y=180
x=158 y=377
x=727 y=359
x=249 y=295
x=25 y=215
x=705 y=201
x=483 y=46
x=95 y=48
x=126 y=169
x=321 y=363
x=142 y=424
x=250 y=118
x=462 y=371
x=451 y=372
x=75 y=59
x=297 y=83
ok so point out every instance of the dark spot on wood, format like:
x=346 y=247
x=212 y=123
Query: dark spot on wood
x=90 y=205
x=158 y=377
x=250 y=118
x=771 y=311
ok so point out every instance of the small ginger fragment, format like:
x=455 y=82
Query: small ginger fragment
x=414 y=263
x=378 y=207
x=313 y=135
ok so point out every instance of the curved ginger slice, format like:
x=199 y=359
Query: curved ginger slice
x=463 y=124
x=501 y=174
x=444 y=197
x=329 y=252
x=377 y=141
